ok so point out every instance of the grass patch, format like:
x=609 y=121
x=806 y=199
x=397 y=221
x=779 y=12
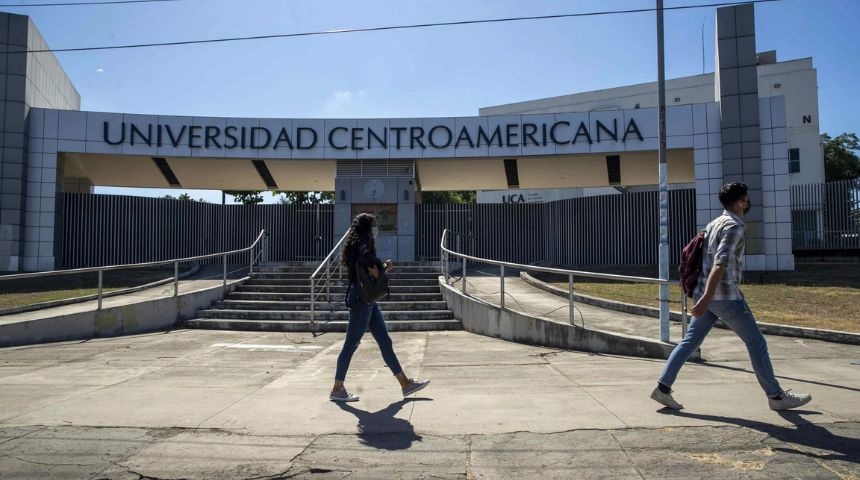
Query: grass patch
x=816 y=295
x=18 y=293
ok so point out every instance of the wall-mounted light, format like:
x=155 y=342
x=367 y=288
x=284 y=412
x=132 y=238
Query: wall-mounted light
x=406 y=194
x=677 y=99
x=777 y=85
x=343 y=195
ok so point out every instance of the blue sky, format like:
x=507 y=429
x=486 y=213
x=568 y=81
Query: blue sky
x=445 y=71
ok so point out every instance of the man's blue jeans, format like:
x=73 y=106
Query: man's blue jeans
x=361 y=317
x=737 y=315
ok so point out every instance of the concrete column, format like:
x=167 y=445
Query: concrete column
x=393 y=196
x=13 y=157
x=30 y=179
x=736 y=90
x=407 y=227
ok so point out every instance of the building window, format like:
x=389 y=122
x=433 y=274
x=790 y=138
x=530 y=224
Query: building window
x=512 y=173
x=793 y=160
x=613 y=169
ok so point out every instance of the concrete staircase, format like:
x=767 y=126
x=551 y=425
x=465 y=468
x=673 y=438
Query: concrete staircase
x=277 y=298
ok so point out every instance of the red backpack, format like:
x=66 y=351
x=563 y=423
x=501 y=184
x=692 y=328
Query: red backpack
x=691 y=263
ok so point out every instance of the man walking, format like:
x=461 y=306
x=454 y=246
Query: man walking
x=717 y=296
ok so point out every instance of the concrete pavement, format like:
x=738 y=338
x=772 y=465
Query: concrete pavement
x=216 y=404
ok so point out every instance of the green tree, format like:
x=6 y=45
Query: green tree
x=305 y=197
x=185 y=197
x=246 y=197
x=463 y=196
x=840 y=157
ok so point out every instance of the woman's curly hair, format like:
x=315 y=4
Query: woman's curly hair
x=362 y=225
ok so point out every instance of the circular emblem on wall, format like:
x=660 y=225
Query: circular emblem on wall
x=374 y=188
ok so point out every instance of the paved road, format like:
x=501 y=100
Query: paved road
x=242 y=405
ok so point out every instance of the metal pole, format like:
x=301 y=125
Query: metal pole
x=683 y=315
x=442 y=255
x=464 y=275
x=447 y=267
x=251 y=265
x=663 y=176
x=502 y=281
x=703 y=46
x=328 y=280
x=313 y=301
x=100 y=290
x=224 y=285
x=443 y=259
x=176 y=278
x=572 y=313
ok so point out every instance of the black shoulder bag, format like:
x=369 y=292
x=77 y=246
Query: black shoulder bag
x=371 y=290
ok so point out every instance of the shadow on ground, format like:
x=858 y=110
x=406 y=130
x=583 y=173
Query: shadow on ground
x=804 y=433
x=382 y=429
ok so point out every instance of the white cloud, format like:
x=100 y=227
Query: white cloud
x=345 y=103
x=100 y=70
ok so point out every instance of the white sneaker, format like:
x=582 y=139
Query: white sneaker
x=789 y=400
x=665 y=399
x=342 y=396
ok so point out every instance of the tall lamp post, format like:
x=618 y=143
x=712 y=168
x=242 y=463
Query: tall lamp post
x=663 y=179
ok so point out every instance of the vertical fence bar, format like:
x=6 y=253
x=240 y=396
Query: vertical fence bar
x=224 y=285
x=572 y=313
x=100 y=289
x=176 y=278
x=502 y=284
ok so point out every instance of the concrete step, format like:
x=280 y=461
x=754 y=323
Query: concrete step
x=306 y=281
x=412 y=315
x=397 y=273
x=305 y=326
x=309 y=267
x=231 y=304
x=334 y=289
x=276 y=296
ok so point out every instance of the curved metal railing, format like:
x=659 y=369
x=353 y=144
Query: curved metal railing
x=446 y=272
x=261 y=252
x=331 y=263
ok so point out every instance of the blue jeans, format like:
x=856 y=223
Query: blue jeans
x=361 y=317
x=737 y=315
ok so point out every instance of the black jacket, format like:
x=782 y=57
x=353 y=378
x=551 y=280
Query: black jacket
x=361 y=253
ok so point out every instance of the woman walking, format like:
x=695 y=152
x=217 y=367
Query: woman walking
x=359 y=251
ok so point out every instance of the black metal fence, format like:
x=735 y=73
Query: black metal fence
x=826 y=216
x=606 y=230
x=507 y=232
x=111 y=229
x=618 y=229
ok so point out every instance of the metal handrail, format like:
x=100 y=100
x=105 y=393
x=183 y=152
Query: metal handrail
x=664 y=333
x=327 y=261
x=175 y=262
